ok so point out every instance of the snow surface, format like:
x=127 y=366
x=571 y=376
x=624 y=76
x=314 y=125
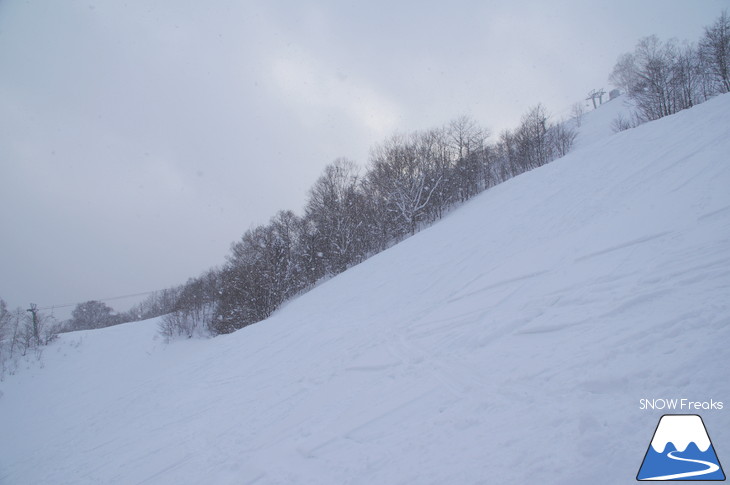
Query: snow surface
x=597 y=124
x=509 y=343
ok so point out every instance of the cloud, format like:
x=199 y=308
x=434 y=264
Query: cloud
x=316 y=91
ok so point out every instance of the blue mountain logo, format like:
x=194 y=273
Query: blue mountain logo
x=680 y=450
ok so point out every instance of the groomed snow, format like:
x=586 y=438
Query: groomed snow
x=509 y=343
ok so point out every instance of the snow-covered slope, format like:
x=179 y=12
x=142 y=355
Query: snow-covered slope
x=509 y=343
x=597 y=124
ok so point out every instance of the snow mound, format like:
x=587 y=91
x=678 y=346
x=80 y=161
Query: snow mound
x=509 y=343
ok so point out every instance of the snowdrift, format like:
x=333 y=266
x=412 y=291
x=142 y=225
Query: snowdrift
x=509 y=343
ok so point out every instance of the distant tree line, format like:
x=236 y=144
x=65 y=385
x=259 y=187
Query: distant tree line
x=664 y=77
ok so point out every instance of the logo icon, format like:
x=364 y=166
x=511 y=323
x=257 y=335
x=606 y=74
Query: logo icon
x=680 y=450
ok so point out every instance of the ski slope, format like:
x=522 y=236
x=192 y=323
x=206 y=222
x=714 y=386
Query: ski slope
x=509 y=343
x=597 y=124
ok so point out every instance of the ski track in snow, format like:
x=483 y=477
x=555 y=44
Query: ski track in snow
x=530 y=320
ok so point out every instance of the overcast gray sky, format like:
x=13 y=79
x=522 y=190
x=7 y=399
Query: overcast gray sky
x=139 y=139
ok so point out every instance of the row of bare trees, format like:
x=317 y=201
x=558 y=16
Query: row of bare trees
x=411 y=181
x=193 y=307
x=95 y=314
x=664 y=77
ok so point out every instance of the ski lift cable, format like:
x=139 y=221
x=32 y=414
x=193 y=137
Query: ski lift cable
x=66 y=305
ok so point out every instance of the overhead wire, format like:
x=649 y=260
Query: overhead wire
x=67 y=305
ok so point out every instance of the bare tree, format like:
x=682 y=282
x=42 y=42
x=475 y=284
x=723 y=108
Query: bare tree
x=382 y=227
x=403 y=180
x=561 y=138
x=5 y=334
x=158 y=303
x=91 y=314
x=194 y=309
x=336 y=209
x=257 y=278
x=622 y=122
x=625 y=72
x=466 y=136
x=532 y=139
x=715 y=49
x=578 y=110
x=687 y=76
x=469 y=157
x=660 y=77
x=5 y=318
x=31 y=330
